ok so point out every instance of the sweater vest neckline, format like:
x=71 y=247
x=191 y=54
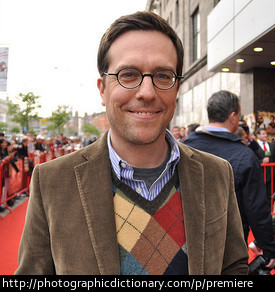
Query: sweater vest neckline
x=150 y=234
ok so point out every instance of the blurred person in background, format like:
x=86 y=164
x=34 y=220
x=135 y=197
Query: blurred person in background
x=217 y=138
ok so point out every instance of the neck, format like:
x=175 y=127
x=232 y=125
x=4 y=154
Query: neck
x=221 y=125
x=144 y=155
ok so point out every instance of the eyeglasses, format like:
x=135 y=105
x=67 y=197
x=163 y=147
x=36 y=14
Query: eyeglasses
x=131 y=78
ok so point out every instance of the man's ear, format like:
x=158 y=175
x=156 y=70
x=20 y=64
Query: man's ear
x=231 y=117
x=101 y=88
x=234 y=118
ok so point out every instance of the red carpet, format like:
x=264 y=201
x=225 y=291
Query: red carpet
x=11 y=227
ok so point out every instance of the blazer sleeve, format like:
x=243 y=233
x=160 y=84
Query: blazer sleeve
x=35 y=256
x=235 y=255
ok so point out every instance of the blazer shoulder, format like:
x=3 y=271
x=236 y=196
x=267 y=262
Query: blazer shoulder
x=94 y=151
x=201 y=156
x=71 y=159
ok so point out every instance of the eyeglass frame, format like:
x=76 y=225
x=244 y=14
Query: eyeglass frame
x=142 y=77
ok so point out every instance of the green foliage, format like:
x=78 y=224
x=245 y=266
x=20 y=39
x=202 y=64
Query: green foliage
x=91 y=129
x=59 y=118
x=15 y=130
x=26 y=112
x=3 y=127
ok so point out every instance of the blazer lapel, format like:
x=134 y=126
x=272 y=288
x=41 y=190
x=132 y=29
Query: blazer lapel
x=191 y=178
x=95 y=189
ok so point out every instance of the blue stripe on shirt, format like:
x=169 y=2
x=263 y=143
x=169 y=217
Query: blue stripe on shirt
x=125 y=172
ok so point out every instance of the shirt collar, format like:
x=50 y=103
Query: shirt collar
x=216 y=129
x=118 y=163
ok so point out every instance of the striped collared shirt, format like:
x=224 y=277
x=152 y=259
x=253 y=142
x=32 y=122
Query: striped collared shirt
x=125 y=172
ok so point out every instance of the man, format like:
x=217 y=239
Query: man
x=176 y=133
x=271 y=126
x=183 y=133
x=23 y=148
x=135 y=202
x=265 y=154
x=264 y=150
x=217 y=138
x=40 y=144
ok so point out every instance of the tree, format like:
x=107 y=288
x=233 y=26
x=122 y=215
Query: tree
x=3 y=127
x=15 y=130
x=91 y=129
x=26 y=112
x=59 y=118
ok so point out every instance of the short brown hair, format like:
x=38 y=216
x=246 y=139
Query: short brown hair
x=258 y=131
x=138 y=21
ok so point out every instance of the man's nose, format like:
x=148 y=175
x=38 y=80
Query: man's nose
x=147 y=90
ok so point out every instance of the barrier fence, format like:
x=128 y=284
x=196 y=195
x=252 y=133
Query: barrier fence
x=15 y=175
x=269 y=181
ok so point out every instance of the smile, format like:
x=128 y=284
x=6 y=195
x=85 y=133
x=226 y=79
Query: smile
x=145 y=114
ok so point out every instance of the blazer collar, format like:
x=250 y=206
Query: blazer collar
x=95 y=189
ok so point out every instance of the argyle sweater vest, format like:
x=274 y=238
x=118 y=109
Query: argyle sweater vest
x=150 y=234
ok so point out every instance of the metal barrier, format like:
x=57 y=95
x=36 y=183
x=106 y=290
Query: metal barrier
x=14 y=180
x=270 y=167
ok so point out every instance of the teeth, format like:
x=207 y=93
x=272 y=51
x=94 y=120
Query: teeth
x=145 y=114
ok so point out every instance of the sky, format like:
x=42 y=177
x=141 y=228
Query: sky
x=53 y=49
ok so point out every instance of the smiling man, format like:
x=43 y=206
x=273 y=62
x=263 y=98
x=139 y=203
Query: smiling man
x=135 y=201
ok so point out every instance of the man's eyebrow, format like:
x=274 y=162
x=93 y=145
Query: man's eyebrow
x=122 y=66
x=134 y=66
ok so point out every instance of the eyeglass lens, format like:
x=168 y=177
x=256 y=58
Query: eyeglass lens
x=131 y=78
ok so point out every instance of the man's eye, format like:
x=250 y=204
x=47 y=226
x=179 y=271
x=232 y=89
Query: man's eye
x=163 y=76
x=128 y=74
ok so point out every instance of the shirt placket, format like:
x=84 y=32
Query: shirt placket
x=127 y=176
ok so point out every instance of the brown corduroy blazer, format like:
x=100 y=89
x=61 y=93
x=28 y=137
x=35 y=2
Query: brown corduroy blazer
x=70 y=223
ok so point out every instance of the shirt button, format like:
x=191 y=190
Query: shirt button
x=138 y=190
x=123 y=165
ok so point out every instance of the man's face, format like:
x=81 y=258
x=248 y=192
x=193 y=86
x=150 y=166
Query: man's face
x=262 y=135
x=176 y=132
x=260 y=119
x=139 y=115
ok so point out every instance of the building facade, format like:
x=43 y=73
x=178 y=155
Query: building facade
x=241 y=39
x=100 y=120
x=194 y=21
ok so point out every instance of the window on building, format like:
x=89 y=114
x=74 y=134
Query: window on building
x=177 y=13
x=196 y=35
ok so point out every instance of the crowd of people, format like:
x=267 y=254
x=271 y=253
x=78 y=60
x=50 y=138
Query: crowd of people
x=14 y=147
x=22 y=146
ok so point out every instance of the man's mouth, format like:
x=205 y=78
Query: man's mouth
x=145 y=114
x=140 y=113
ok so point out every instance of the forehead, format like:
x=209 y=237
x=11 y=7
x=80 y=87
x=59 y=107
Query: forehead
x=143 y=48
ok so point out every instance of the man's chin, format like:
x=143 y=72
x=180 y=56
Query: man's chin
x=146 y=138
